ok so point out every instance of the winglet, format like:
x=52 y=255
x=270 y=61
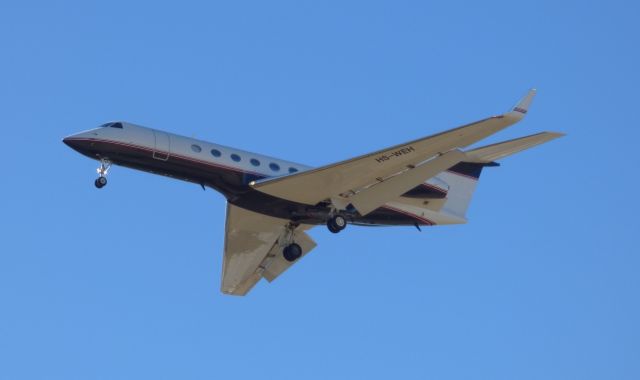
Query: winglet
x=524 y=103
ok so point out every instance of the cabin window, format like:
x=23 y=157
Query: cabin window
x=255 y=162
x=216 y=153
x=235 y=157
x=196 y=148
x=292 y=170
x=275 y=167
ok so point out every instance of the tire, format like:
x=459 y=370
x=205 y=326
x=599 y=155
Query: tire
x=339 y=221
x=337 y=224
x=332 y=228
x=292 y=252
x=101 y=182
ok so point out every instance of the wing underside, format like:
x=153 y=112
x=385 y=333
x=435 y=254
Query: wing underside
x=252 y=249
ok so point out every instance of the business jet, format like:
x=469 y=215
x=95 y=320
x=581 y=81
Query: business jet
x=271 y=203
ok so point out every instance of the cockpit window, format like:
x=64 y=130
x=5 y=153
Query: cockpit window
x=112 y=125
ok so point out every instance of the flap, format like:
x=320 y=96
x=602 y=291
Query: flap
x=277 y=263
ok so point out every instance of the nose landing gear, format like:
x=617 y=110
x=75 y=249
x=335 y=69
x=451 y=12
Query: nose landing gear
x=101 y=181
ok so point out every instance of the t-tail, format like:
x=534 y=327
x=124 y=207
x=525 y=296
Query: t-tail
x=462 y=178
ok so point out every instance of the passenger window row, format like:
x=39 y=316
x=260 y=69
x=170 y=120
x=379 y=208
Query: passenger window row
x=235 y=157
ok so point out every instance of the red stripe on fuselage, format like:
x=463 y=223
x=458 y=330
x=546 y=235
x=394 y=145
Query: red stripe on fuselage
x=422 y=219
x=169 y=154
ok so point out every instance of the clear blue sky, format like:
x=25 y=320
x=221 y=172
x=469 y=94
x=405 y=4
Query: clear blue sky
x=123 y=283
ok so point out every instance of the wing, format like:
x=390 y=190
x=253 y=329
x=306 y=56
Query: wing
x=252 y=249
x=340 y=181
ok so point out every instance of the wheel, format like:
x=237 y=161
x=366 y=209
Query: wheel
x=292 y=252
x=332 y=228
x=339 y=221
x=336 y=224
x=100 y=182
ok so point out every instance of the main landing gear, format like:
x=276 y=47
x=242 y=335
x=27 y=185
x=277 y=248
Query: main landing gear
x=336 y=223
x=291 y=251
x=101 y=181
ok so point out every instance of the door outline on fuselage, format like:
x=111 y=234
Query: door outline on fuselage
x=162 y=146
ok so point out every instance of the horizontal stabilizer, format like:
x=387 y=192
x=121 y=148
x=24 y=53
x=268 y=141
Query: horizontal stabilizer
x=497 y=151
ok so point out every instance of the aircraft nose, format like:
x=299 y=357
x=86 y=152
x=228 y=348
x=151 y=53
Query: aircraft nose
x=78 y=142
x=71 y=142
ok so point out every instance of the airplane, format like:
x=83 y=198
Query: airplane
x=271 y=203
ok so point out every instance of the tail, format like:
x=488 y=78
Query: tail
x=462 y=180
x=447 y=196
x=463 y=177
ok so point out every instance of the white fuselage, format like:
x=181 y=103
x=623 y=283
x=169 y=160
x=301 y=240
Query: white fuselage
x=164 y=145
x=230 y=171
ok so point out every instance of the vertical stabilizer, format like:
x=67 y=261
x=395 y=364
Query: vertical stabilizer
x=462 y=180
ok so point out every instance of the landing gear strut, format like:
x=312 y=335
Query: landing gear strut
x=101 y=181
x=291 y=251
x=336 y=223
